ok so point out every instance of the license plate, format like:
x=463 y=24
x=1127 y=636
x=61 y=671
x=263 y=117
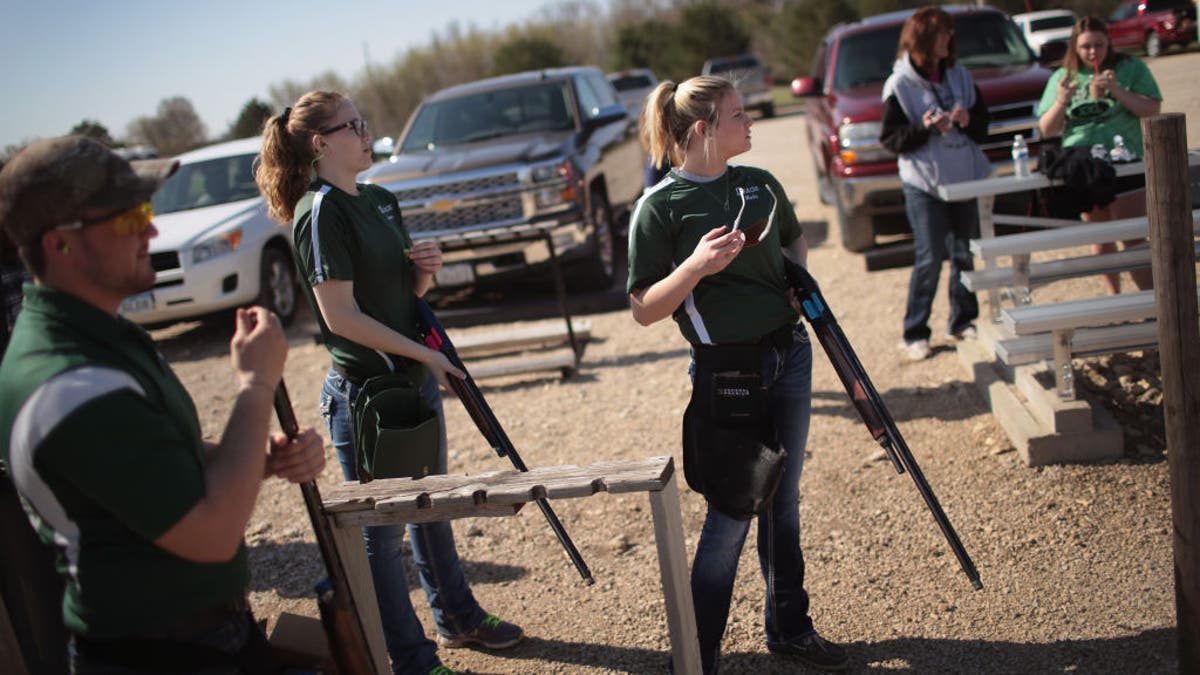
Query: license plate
x=136 y=304
x=455 y=275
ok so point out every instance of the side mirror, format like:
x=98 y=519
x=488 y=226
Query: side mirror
x=806 y=86
x=382 y=147
x=606 y=114
x=1052 y=53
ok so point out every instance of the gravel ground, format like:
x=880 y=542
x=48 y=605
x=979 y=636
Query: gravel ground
x=1076 y=561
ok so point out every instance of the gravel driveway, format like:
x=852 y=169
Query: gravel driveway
x=1075 y=560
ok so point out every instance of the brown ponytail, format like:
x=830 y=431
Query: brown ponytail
x=672 y=109
x=286 y=163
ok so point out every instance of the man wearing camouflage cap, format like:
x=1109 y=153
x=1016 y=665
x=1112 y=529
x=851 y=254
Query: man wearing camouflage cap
x=104 y=443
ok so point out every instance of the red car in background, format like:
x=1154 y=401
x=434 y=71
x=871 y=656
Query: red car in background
x=1152 y=25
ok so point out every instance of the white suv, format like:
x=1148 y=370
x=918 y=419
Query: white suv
x=216 y=248
x=1050 y=25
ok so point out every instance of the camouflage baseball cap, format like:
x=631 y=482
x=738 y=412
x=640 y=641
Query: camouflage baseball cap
x=52 y=182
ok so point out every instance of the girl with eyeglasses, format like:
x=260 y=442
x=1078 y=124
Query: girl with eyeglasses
x=1097 y=94
x=364 y=274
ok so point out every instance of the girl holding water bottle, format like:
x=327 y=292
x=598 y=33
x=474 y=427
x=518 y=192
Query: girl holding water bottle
x=1097 y=96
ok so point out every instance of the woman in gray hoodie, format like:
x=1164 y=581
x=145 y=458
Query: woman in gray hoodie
x=933 y=119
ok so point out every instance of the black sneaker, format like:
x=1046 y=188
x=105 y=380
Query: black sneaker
x=812 y=650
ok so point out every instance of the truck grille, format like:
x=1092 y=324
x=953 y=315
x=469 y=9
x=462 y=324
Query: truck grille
x=1010 y=120
x=468 y=216
x=166 y=260
x=482 y=183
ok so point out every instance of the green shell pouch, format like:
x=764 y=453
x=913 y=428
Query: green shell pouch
x=396 y=433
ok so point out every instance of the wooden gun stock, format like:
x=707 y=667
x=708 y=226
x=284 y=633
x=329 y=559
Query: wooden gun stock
x=347 y=640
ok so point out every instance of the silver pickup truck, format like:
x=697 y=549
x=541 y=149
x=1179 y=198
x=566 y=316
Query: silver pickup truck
x=751 y=77
x=494 y=169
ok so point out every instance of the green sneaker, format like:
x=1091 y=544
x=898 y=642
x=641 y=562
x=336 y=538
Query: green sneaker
x=491 y=633
x=440 y=669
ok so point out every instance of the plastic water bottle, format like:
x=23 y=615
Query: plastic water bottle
x=1121 y=152
x=1020 y=155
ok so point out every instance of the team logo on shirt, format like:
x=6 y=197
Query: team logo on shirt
x=387 y=211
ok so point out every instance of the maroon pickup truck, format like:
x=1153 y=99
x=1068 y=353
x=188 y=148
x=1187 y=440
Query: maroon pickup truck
x=857 y=174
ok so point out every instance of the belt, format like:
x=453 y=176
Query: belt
x=175 y=648
x=340 y=370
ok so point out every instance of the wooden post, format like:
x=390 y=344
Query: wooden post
x=1168 y=200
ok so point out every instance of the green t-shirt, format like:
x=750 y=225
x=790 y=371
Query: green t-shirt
x=1090 y=121
x=359 y=239
x=105 y=447
x=747 y=299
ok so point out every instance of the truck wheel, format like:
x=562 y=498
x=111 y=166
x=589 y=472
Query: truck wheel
x=858 y=232
x=277 y=284
x=825 y=189
x=595 y=273
x=1153 y=44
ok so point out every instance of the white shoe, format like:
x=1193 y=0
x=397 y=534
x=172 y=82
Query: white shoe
x=916 y=351
x=968 y=333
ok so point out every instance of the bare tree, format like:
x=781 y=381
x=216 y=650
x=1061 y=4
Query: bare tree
x=174 y=129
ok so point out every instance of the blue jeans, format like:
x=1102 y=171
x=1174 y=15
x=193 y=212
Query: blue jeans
x=788 y=376
x=941 y=231
x=454 y=608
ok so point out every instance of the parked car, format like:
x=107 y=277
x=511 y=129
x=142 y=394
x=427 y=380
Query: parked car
x=216 y=248
x=854 y=171
x=633 y=86
x=1152 y=25
x=750 y=76
x=488 y=167
x=1046 y=26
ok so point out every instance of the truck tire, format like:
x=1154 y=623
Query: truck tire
x=277 y=283
x=825 y=190
x=1153 y=44
x=595 y=273
x=858 y=231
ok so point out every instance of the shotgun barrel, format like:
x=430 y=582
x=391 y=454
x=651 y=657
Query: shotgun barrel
x=487 y=423
x=869 y=404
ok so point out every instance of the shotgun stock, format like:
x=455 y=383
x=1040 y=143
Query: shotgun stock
x=485 y=420
x=339 y=616
x=869 y=404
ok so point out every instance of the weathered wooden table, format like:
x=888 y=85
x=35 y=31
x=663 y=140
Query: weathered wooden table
x=351 y=506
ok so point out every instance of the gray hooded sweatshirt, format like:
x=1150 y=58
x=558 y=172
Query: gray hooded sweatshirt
x=947 y=158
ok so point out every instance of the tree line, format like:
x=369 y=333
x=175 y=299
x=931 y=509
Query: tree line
x=671 y=37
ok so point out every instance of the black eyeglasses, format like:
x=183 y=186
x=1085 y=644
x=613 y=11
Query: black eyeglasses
x=358 y=125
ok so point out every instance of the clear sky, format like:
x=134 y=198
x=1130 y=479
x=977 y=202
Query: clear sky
x=62 y=61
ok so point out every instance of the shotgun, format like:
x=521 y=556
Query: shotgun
x=339 y=616
x=869 y=404
x=485 y=420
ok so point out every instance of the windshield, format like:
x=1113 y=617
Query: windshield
x=199 y=184
x=984 y=39
x=1050 y=23
x=491 y=114
x=627 y=82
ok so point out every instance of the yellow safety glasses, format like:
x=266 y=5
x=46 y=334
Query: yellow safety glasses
x=130 y=222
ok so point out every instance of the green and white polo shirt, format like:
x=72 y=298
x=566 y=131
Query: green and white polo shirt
x=104 y=445
x=359 y=239
x=747 y=299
